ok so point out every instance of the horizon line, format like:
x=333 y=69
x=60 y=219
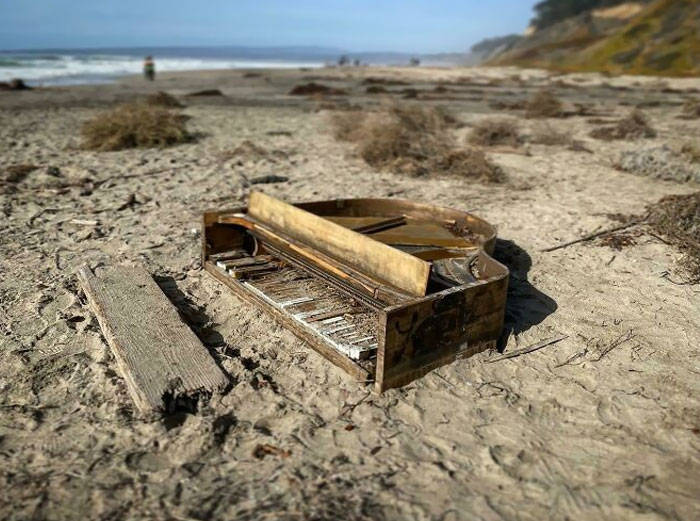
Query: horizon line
x=230 y=46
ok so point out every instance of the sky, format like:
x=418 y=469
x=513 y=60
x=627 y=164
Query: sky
x=425 y=26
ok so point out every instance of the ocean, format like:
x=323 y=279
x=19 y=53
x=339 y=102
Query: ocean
x=71 y=67
x=79 y=66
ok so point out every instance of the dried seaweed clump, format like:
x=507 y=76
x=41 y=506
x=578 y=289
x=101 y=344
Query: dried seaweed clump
x=163 y=99
x=544 y=104
x=661 y=163
x=634 y=126
x=491 y=132
x=16 y=173
x=310 y=89
x=376 y=89
x=677 y=218
x=691 y=109
x=412 y=139
x=134 y=125
x=618 y=241
x=691 y=152
x=471 y=162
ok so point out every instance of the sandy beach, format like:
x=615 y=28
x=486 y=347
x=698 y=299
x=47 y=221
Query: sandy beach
x=604 y=425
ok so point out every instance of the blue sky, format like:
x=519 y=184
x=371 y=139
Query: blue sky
x=356 y=25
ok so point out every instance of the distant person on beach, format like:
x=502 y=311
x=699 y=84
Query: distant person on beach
x=149 y=68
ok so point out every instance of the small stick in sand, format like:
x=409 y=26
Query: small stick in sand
x=592 y=236
x=530 y=349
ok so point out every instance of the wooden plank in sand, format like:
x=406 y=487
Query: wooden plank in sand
x=161 y=359
x=369 y=256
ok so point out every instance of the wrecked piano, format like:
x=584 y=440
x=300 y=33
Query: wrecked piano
x=385 y=289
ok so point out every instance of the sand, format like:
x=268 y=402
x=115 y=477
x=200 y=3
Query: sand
x=604 y=425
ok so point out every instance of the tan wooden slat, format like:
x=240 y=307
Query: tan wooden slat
x=367 y=225
x=421 y=233
x=369 y=256
x=354 y=222
x=161 y=359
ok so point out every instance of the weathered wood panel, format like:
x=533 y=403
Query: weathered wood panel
x=371 y=257
x=420 y=336
x=161 y=359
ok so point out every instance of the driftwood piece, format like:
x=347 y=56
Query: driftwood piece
x=592 y=236
x=163 y=362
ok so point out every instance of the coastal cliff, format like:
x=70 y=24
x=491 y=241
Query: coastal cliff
x=661 y=37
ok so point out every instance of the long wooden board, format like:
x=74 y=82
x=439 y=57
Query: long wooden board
x=162 y=360
x=369 y=256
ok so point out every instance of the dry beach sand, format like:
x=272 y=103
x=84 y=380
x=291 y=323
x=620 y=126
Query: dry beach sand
x=604 y=425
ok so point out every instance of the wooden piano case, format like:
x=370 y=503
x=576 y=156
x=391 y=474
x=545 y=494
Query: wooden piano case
x=386 y=289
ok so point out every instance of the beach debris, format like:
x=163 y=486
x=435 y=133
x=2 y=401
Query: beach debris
x=490 y=132
x=383 y=81
x=508 y=105
x=265 y=449
x=324 y=269
x=691 y=109
x=309 y=89
x=691 y=152
x=54 y=171
x=205 y=93
x=544 y=104
x=164 y=364
x=163 y=99
x=18 y=172
x=14 y=84
x=134 y=199
x=269 y=179
x=618 y=241
x=677 y=219
x=129 y=203
x=376 y=89
x=529 y=349
x=84 y=222
x=591 y=236
x=661 y=162
x=414 y=140
x=634 y=126
x=134 y=125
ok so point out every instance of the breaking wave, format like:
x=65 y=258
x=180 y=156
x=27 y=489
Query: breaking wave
x=64 y=69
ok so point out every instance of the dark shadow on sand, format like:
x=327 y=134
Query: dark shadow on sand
x=526 y=305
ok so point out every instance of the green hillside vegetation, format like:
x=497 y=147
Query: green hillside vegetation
x=662 y=39
x=549 y=12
